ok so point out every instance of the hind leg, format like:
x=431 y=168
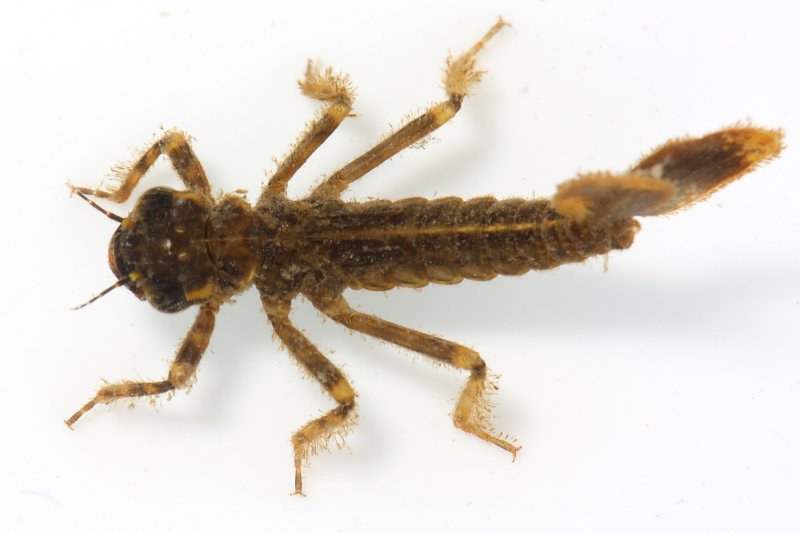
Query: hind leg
x=460 y=76
x=472 y=412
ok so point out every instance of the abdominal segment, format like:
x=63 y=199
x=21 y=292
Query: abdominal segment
x=379 y=245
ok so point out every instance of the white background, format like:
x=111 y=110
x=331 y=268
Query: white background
x=662 y=395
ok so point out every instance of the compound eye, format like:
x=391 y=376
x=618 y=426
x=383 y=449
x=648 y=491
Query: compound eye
x=166 y=296
x=120 y=268
x=112 y=254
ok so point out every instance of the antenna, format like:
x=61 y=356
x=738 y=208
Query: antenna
x=106 y=212
x=120 y=282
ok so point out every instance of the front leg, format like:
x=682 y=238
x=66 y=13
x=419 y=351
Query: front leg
x=175 y=144
x=180 y=373
x=335 y=424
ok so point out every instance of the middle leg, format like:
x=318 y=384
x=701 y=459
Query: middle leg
x=336 y=423
x=327 y=87
x=472 y=412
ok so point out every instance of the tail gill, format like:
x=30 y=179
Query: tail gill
x=674 y=176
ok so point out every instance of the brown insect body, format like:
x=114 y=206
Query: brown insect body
x=182 y=248
x=380 y=245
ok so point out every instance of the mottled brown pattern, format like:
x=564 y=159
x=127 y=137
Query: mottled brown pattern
x=380 y=245
x=177 y=249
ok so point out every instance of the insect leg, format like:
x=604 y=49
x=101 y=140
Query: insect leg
x=325 y=86
x=460 y=76
x=180 y=373
x=175 y=144
x=335 y=424
x=472 y=410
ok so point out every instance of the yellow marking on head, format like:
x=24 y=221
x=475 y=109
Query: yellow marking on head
x=201 y=293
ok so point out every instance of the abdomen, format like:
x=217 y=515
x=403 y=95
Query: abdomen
x=380 y=245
